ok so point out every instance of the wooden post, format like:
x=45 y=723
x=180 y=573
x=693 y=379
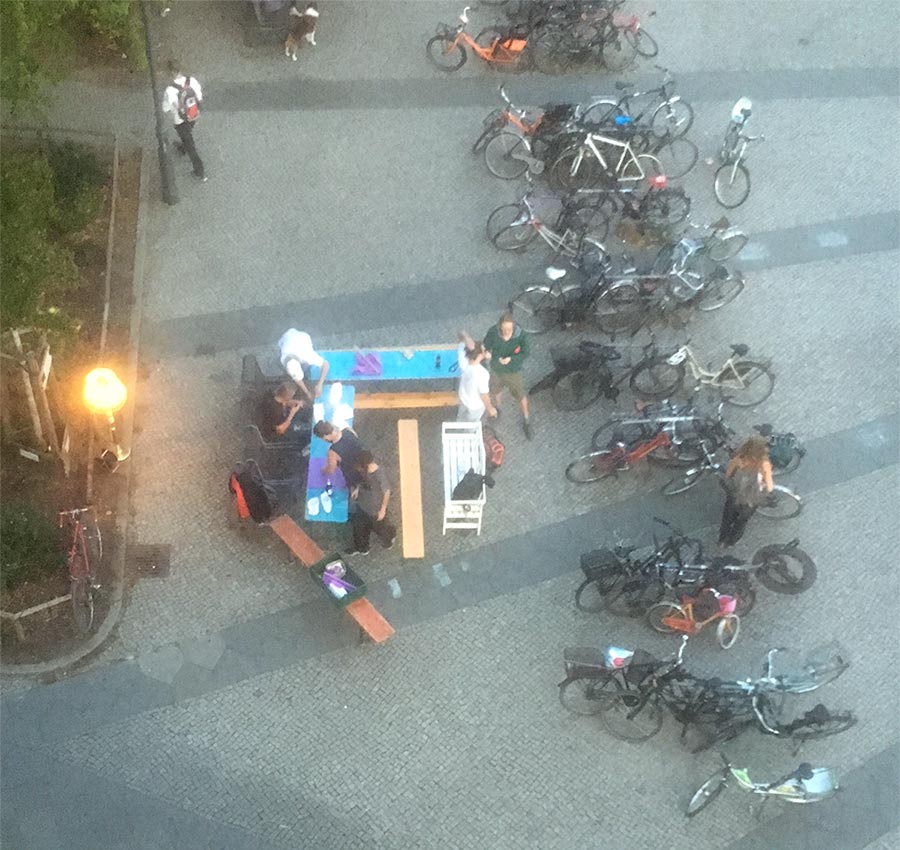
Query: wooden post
x=40 y=394
x=29 y=397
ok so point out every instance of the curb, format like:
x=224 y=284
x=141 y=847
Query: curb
x=117 y=596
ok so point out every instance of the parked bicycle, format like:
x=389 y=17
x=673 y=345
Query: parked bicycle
x=732 y=179
x=447 y=50
x=84 y=554
x=806 y=784
x=694 y=613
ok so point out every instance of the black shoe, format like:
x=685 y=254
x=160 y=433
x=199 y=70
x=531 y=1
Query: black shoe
x=201 y=177
x=526 y=427
x=390 y=543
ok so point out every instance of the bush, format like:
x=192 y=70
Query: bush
x=78 y=178
x=29 y=545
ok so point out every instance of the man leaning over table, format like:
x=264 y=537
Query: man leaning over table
x=297 y=355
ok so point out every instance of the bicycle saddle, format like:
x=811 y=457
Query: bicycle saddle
x=740 y=350
x=554 y=273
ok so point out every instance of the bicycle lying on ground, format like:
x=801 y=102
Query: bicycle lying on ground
x=732 y=180
x=719 y=608
x=84 y=554
x=806 y=784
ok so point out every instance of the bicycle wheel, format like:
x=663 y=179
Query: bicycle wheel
x=601 y=114
x=590 y=593
x=753 y=385
x=442 y=53
x=586 y=696
x=578 y=390
x=656 y=379
x=625 y=718
x=493 y=123
x=677 y=157
x=631 y=596
x=672 y=118
x=727 y=630
x=785 y=569
x=500 y=156
x=657 y=613
x=719 y=291
x=549 y=54
x=537 y=309
x=575 y=168
x=616 y=51
x=794 y=461
x=618 y=309
x=741 y=590
x=705 y=794
x=723 y=246
x=82 y=603
x=667 y=208
x=684 y=482
x=603 y=435
x=643 y=43
x=822 y=726
x=781 y=503
x=94 y=541
x=731 y=185
x=509 y=228
x=638 y=168
x=594 y=467
x=590 y=222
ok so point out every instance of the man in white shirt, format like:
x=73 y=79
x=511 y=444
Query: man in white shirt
x=474 y=381
x=182 y=98
x=297 y=355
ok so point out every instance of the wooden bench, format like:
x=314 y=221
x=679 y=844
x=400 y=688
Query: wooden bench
x=405 y=400
x=308 y=552
x=463 y=446
x=410 y=489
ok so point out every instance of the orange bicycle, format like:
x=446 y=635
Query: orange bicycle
x=669 y=617
x=447 y=49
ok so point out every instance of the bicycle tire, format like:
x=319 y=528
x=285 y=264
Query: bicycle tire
x=590 y=593
x=548 y=55
x=750 y=373
x=82 y=603
x=614 y=716
x=644 y=44
x=731 y=185
x=727 y=630
x=585 y=173
x=657 y=613
x=500 y=226
x=594 y=466
x=667 y=208
x=642 y=167
x=579 y=389
x=631 y=596
x=600 y=439
x=834 y=725
x=705 y=794
x=537 y=309
x=437 y=49
x=672 y=118
x=499 y=155
x=776 y=571
x=781 y=503
x=719 y=291
x=618 y=309
x=797 y=456
x=656 y=379
x=590 y=222
x=493 y=124
x=683 y=483
x=602 y=113
x=616 y=52
x=677 y=157
x=584 y=695
x=723 y=247
x=741 y=590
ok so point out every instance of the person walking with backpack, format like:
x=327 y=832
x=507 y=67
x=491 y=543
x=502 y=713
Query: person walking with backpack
x=508 y=345
x=748 y=480
x=182 y=98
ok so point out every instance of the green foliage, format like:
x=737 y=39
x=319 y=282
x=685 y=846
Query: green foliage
x=29 y=544
x=78 y=178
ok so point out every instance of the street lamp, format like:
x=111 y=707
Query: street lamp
x=105 y=394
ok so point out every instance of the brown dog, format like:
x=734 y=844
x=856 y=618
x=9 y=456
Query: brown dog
x=303 y=25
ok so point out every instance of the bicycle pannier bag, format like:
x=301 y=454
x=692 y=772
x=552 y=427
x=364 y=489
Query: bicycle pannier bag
x=254 y=496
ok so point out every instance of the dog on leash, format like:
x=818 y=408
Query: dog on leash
x=303 y=25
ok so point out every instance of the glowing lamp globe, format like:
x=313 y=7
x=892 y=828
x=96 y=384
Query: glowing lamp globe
x=104 y=392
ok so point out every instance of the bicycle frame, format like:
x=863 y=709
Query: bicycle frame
x=641 y=450
x=558 y=242
x=627 y=154
x=685 y=354
x=497 y=54
x=78 y=544
x=687 y=623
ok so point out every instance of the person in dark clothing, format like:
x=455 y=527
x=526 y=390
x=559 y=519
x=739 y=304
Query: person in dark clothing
x=343 y=449
x=368 y=511
x=748 y=480
x=277 y=412
x=508 y=345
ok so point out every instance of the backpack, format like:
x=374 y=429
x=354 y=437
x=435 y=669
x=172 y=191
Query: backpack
x=254 y=497
x=493 y=449
x=746 y=488
x=188 y=102
x=470 y=486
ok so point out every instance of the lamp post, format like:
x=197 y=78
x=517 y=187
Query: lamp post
x=106 y=395
x=166 y=171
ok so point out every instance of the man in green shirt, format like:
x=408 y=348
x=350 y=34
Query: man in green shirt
x=508 y=345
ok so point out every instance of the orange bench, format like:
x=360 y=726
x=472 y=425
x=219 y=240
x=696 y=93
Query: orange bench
x=307 y=552
x=410 y=489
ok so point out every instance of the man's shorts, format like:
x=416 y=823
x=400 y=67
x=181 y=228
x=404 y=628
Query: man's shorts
x=511 y=381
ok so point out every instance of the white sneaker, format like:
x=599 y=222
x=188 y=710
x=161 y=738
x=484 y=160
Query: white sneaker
x=325 y=499
x=312 y=506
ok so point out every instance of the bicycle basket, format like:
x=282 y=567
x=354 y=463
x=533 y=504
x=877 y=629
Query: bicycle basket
x=641 y=665
x=781 y=449
x=597 y=562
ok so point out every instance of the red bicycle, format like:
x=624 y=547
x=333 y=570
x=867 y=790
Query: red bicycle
x=618 y=457
x=85 y=551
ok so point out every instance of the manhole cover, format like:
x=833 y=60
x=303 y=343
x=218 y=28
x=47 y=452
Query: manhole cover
x=151 y=559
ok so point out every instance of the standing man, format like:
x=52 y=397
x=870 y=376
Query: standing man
x=508 y=347
x=344 y=448
x=474 y=381
x=296 y=353
x=182 y=98
x=370 y=502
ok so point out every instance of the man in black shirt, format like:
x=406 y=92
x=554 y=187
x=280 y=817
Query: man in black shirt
x=277 y=411
x=344 y=447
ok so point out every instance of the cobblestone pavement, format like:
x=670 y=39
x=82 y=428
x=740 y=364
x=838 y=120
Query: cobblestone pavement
x=233 y=708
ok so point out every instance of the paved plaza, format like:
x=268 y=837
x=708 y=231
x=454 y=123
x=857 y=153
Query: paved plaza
x=233 y=707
